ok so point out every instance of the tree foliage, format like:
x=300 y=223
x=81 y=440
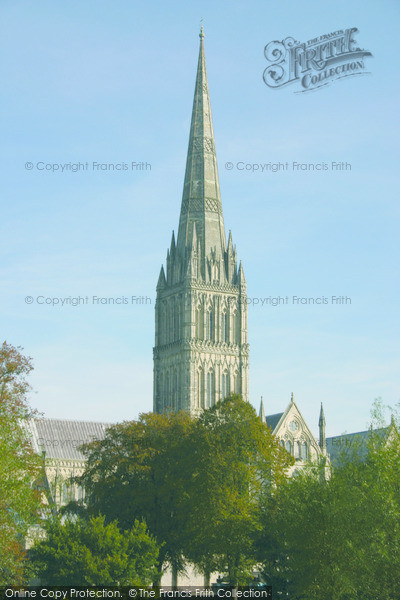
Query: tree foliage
x=137 y=472
x=339 y=538
x=236 y=462
x=196 y=482
x=19 y=466
x=90 y=552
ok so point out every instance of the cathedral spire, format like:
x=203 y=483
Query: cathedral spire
x=201 y=352
x=201 y=200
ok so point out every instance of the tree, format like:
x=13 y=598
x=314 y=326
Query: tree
x=235 y=462
x=19 y=466
x=136 y=472
x=89 y=552
x=339 y=538
x=196 y=482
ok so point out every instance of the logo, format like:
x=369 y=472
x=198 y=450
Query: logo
x=315 y=63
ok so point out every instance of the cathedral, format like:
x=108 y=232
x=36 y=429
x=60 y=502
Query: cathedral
x=201 y=351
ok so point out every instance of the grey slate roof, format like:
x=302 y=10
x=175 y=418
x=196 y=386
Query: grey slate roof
x=60 y=438
x=273 y=420
x=337 y=444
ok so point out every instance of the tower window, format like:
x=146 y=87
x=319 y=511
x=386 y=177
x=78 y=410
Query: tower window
x=225 y=384
x=236 y=383
x=169 y=318
x=225 y=327
x=210 y=325
x=210 y=390
x=200 y=389
x=235 y=328
x=161 y=325
x=177 y=323
x=199 y=323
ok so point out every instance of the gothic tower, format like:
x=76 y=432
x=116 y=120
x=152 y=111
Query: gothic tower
x=201 y=352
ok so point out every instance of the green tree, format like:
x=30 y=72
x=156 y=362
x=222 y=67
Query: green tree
x=340 y=538
x=89 y=552
x=234 y=461
x=197 y=483
x=19 y=466
x=136 y=472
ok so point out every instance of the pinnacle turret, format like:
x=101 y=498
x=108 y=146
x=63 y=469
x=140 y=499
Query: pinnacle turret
x=161 y=279
x=321 y=421
x=261 y=414
x=241 y=277
x=173 y=245
x=322 y=426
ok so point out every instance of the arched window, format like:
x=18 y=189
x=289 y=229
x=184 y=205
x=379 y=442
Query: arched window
x=66 y=493
x=177 y=324
x=297 y=450
x=235 y=328
x=167 y=323
x=210 y=325
x=161 y=325
x=282 y=443
x=288 y=446
x=210 y=389
x=200 y=388
x=225 y=327
x=199 y=323
x=171 y=323
x=236 y=382
x=305 y=451
x=225 y=384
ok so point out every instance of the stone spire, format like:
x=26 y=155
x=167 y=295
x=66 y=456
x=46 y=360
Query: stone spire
x=322 y=425
x=201 y=200
x=261 y=414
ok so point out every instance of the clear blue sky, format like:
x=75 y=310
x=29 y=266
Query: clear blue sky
x=112 y=81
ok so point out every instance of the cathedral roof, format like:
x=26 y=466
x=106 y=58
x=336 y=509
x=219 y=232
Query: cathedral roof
x=60 y=439
x=273 y=420
x=336 y=445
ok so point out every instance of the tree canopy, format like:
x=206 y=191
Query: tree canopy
x=89 y=552
x=19 y=466
x=137 y=472
x=196 y=482
x=338 y=538
x=236 y=462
